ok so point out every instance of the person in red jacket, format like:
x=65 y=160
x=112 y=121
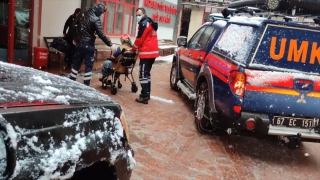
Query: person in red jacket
x=147 y=45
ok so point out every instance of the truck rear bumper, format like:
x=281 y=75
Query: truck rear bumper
x=284 y=131
x=263 y=126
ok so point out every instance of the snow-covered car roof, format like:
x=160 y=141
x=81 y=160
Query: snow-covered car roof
x=21 y=85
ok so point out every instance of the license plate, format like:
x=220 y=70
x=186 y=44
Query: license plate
x=295 y=122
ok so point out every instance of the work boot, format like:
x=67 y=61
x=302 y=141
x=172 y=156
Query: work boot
x=145 y=97
x=143 y=100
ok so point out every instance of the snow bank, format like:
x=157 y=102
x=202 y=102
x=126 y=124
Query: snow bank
x=165 y=58
x=247 y=20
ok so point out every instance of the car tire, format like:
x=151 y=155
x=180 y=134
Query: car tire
x=202 y=109
x=174 y=77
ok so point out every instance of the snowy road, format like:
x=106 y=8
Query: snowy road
x=168 y=146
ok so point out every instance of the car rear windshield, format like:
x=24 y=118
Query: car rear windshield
x=236 y=42
x=288 y=48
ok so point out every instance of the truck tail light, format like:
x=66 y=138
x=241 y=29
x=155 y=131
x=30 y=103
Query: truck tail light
x=237 y=81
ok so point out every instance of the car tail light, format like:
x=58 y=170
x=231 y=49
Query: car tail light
x=237 y=81
x=237 y=108
x=251 y=124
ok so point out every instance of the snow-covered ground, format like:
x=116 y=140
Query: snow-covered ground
x=165 y=58
x=167 y=46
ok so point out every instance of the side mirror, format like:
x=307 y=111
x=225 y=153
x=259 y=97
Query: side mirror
x=182 y=41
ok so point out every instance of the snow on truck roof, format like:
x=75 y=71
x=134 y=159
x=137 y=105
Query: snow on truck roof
x=220 y=23
x=247 y=20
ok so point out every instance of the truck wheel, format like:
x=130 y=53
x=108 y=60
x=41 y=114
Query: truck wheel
x=202 y=115
x=174 y=77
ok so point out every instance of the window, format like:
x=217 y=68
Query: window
x=110 y=14
x=134 y=21
x=120 y=17
x=193 y=43
x=126 y=19
x=236 y=42
x=206 y=37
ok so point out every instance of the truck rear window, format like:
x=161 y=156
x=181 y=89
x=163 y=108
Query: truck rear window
x=288 y=48
x=236 y=42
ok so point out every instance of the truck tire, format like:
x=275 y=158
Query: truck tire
x=174 y=77
x=202 y=115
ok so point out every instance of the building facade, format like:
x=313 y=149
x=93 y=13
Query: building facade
x=24 y=23
x=195 y=13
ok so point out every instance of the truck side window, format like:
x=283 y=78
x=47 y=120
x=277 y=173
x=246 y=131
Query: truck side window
x=236 y=42
x=205 y=37
x=193 y=42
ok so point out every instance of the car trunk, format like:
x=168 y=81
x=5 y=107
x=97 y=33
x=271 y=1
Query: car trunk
x=58 y=125
x=282 y=77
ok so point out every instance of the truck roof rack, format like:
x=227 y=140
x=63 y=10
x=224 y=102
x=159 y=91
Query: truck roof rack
x=254 y=11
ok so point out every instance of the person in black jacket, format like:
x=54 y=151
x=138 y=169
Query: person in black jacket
x=67 y=34
x=86 y=25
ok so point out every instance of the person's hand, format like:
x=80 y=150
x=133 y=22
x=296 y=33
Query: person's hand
x=74 y=42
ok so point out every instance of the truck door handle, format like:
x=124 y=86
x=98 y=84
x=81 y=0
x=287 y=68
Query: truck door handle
x=189 y=55
x=200 y=58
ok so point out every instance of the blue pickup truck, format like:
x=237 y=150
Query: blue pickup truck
x=252 y=76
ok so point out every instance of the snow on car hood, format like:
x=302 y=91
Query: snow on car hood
x=58 y=154
x=20 y=84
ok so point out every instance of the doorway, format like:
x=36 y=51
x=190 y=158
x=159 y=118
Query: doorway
x=185 y=20
x=15 y=31
x=3 y=30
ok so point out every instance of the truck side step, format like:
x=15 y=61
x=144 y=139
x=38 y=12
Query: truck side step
x=186 y=90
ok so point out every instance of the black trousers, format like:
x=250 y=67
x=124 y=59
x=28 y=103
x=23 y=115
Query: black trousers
x=145 y=76
x=68 y=58
x=83 y=53
x=69 y=54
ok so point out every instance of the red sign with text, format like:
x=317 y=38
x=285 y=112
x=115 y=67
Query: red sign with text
x=162 y=7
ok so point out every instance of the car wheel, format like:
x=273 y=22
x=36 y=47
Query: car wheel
x=202 y=111
x=174 y=77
